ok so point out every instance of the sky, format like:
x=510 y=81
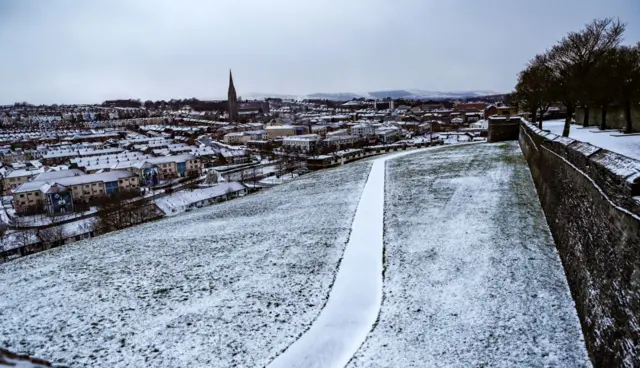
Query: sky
x=78 y=51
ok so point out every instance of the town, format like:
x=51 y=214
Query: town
x=66 y=168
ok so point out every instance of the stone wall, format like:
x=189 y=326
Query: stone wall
x=503 y=129
x=587 y=196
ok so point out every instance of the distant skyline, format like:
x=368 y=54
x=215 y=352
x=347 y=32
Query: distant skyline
x=73 y=51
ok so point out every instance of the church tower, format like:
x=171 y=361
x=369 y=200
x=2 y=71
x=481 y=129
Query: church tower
x=233 y=101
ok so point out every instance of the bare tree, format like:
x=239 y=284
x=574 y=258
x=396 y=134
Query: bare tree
x=533 y=91
x=3 y=237
x=574 y=58
x=25 y=237
x=51 y=236
x=121 y=210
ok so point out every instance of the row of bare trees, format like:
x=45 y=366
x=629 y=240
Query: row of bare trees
x=588 y=68
x=123 y=210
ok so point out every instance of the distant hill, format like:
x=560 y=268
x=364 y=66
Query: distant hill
x=406 y=94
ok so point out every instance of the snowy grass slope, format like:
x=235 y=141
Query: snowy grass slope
x=472 y=276
x=229 y=285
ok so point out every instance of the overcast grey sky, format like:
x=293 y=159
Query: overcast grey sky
x=86 y=51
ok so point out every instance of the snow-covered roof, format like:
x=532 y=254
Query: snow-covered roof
x=75 y=180
x=51 y=175
x=21 y=172
x=304 y=137
x=233 y=153
x=279 y=127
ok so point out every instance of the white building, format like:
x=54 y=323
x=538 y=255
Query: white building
x=244 y=137
x=236 y=138
x=363 y=130
x=305 y=143
x=387 y=134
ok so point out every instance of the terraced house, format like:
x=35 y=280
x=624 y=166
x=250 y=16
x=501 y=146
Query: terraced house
x=14 y=179
x=165 y=167
x=58 y=195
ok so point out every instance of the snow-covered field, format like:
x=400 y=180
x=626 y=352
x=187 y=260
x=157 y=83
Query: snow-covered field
x=472 y=277
x=612 y=140
x=469 y=276
x=229 y=285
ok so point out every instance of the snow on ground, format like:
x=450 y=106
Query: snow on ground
x=612 y=140
x=228 y=285
x=356 y=295
x=44 y=219
x=472 y=276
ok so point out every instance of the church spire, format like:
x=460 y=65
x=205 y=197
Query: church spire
x=231 y=87
x=233 y=100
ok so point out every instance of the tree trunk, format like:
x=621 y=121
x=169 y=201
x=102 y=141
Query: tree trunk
x=627 y=116
x=567 y=121
x=585 y=122
x=533 y=116
x=603 y=118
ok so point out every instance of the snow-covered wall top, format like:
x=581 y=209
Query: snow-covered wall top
x=589 y=196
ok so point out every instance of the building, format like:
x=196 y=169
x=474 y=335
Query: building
x=363 y=130
x=151 y=170
x=244 y=137
x=490 y=111
x=15 y=178
x=341 y=141
x=58 y=174
x=338 y=132
x=319 y=129
x=507 y=111
x=469 y=107
x=236 y=138
x=276 y=131
x=305 y=143
x=57 y=196
x=233 y=100
x=387 y=134
x=234 y=157
x=384 y=104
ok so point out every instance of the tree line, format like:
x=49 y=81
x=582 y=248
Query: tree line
x=587 y=68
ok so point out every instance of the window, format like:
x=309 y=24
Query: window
x=37 y=194
x=21 y=195
x=111 y=187
x=86 y=185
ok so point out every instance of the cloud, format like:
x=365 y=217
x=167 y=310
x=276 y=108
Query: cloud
x=87 y=51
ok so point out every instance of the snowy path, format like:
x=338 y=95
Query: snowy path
x=356 y=296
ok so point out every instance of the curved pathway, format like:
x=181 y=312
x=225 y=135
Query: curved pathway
x=355 y=299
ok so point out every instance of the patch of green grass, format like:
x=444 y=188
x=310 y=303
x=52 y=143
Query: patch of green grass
x=512 y=159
